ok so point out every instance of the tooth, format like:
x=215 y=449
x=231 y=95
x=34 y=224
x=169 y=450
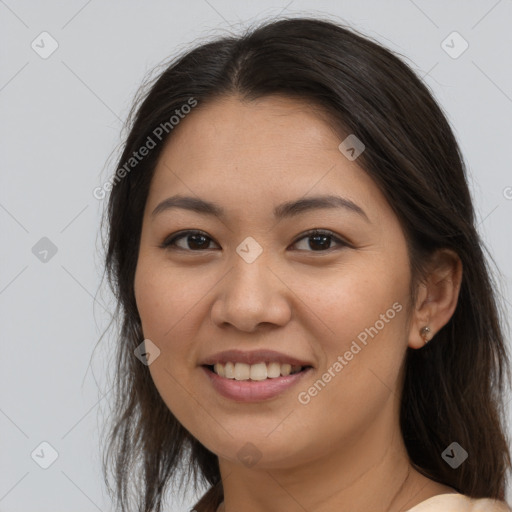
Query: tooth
x=229 y=370
x=242 y=371
x=273 y=370
x=219 y=369
x=259 y=371
x=286 y=369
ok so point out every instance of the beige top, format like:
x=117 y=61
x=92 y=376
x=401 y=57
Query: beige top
x=460 y=503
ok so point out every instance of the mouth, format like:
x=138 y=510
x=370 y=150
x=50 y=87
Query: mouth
x=248 y=390
x=254 y=376
x=255 y=372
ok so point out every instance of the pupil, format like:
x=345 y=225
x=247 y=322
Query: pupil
x=324 y=237
x=194 y=243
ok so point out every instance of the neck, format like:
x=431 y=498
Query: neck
x=370 y=472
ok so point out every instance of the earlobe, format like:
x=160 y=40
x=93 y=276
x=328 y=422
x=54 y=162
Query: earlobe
x=436 y=299
x=426 y=334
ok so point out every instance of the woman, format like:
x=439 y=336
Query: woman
x=308 y=321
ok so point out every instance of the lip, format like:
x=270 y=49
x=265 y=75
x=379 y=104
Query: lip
x=253 y=357
x=251 y=390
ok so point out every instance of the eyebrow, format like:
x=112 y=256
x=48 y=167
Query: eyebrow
x=284 y=210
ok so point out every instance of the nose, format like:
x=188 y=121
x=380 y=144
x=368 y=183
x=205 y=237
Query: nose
x=251 y=295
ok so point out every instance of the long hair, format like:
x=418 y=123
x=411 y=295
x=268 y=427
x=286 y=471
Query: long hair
x=453 y=387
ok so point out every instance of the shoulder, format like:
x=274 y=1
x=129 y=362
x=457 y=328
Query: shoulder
x=460 y=503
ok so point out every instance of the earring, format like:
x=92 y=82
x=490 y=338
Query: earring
x=424 y=333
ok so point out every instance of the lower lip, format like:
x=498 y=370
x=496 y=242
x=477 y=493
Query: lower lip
x=253 y=390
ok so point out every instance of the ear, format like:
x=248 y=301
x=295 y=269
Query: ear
x=437 y=296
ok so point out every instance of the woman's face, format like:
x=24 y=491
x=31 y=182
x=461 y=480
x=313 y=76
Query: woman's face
x=251 y=281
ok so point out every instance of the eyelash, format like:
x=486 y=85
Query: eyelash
x=170 y=242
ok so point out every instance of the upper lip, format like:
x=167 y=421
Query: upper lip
x=253 y=357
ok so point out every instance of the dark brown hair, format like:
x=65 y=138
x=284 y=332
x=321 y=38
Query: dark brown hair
x=454 y=386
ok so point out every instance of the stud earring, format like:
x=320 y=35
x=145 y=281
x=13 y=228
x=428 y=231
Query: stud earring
x=425 y=334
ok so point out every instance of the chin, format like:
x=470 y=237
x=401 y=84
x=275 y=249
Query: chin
x=258 y=450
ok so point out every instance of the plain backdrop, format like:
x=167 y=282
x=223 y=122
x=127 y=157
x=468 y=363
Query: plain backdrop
x=61 y=118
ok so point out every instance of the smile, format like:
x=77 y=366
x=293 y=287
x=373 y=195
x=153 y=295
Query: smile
x=248 y=390
x=258 y=372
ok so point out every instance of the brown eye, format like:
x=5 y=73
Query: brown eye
x=193 y=241
x=320 y=241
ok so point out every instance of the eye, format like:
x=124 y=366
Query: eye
x=196 y=241
x=320 y=240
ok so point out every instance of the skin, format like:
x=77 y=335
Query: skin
x=327 y=455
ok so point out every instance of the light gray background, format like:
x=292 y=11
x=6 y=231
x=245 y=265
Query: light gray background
x=61 y=118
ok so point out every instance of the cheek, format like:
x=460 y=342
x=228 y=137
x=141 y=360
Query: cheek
x=361 y=328
x=165 y=298
x=173 y=305
x=354 y=298
x=163 y=306
x=363 y=350
x=167 y=305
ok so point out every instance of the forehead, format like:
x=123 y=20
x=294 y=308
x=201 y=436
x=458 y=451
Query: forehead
x=260 y=152
x=236 y=125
